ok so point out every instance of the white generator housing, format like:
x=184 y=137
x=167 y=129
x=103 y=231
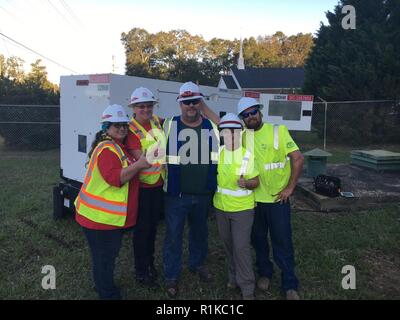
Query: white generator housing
x=84 y=98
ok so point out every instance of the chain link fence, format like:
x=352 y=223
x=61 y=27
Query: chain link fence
x=346 y=124
x=29 y=127
x=352 y=125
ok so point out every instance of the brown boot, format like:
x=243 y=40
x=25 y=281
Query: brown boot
x=292 y=295
x=263 y=283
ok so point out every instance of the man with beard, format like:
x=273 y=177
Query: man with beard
x=280 y=163
x=192 y=151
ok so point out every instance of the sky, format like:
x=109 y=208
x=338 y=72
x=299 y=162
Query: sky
x=83 y=36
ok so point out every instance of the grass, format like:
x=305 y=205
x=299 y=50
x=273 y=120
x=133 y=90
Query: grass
x=324 y=243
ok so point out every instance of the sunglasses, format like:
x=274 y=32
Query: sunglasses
x=189 y=102
x=144 y=105
x=245 y=115
x=120 y=125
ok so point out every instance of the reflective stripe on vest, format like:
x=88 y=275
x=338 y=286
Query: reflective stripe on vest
x=103 y=204
x=173 y=160
x=242 y=172
x=245 y=161
x=234 y=193
x=276 y=165
x=92 y=203
x=276 y=137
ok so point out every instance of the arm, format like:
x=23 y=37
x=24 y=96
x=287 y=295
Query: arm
x=249 y=184
x=135 y=153
x=206 y=111
x=129 y=172
x=296 y=163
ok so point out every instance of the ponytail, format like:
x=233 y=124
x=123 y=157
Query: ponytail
x=100 y=137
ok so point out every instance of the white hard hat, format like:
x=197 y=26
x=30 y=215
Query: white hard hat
x=114 y=113
x=231 y=121
x=246 y=102
x=189 y=91
x=141 y=95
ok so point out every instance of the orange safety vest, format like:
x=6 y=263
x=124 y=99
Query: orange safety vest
x=97 y=200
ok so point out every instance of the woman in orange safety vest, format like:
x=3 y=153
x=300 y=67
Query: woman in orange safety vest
x=107 y=203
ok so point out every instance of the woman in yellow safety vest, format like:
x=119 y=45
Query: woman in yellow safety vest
x=146 y=136
x=234 y=204
x=107 y=203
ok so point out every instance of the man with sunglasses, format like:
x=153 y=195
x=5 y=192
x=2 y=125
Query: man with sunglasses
x=192 y=150
x=280 y=163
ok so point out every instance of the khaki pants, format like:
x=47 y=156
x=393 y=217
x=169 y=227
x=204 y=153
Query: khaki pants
x=235 y=232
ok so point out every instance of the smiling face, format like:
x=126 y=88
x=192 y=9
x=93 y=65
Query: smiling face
x=232 y=138
x=118 y=130
x=190 y=110
x=143 y=111
x=252 y=118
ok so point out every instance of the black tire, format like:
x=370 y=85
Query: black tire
x=58 y=203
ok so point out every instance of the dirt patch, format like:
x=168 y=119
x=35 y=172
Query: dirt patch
x=365 y=182
x=384 y=273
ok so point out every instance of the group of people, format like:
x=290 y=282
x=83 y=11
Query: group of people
x=143 y=166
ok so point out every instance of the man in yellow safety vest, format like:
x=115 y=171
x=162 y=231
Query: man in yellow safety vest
x=280 y=163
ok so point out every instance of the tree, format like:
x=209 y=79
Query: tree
x=359 y=64
x=162 y=55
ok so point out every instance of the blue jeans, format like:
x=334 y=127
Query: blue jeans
x=104 y=248
x=275 y=219
x=177 y=208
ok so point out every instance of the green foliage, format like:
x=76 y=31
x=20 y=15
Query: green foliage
x=18 y=88
x=361 y=63
x=179 y=56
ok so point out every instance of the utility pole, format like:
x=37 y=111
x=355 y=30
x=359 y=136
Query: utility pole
x=113 y=64
x=325 y=119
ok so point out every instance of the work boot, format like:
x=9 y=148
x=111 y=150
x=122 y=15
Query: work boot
x=204 y=274
x=292 y=295
x=153 y=273
x=263 y=283
x=248 y=297
x=148 y=282
x=172 y=288
x=231 y=285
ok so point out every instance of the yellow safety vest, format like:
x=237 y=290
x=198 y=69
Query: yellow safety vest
x=231 y=165
x=269 y=147
x=149 y=140
x=97 y=200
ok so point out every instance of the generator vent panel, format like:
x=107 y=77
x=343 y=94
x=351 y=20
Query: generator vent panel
x=82 y=144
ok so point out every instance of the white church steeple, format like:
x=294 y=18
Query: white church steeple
x=240 y=65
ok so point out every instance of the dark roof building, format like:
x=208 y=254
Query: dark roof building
x=266 y=80
x=263 y=79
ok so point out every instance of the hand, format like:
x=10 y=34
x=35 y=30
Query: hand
x=156 y=153
x=142 y=162
x=242 y=182
x=284 y=195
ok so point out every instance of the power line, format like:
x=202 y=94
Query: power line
x=71 y=12
x=35 y=52
x=59 y=12
x=5 y=46
x=8 y=12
